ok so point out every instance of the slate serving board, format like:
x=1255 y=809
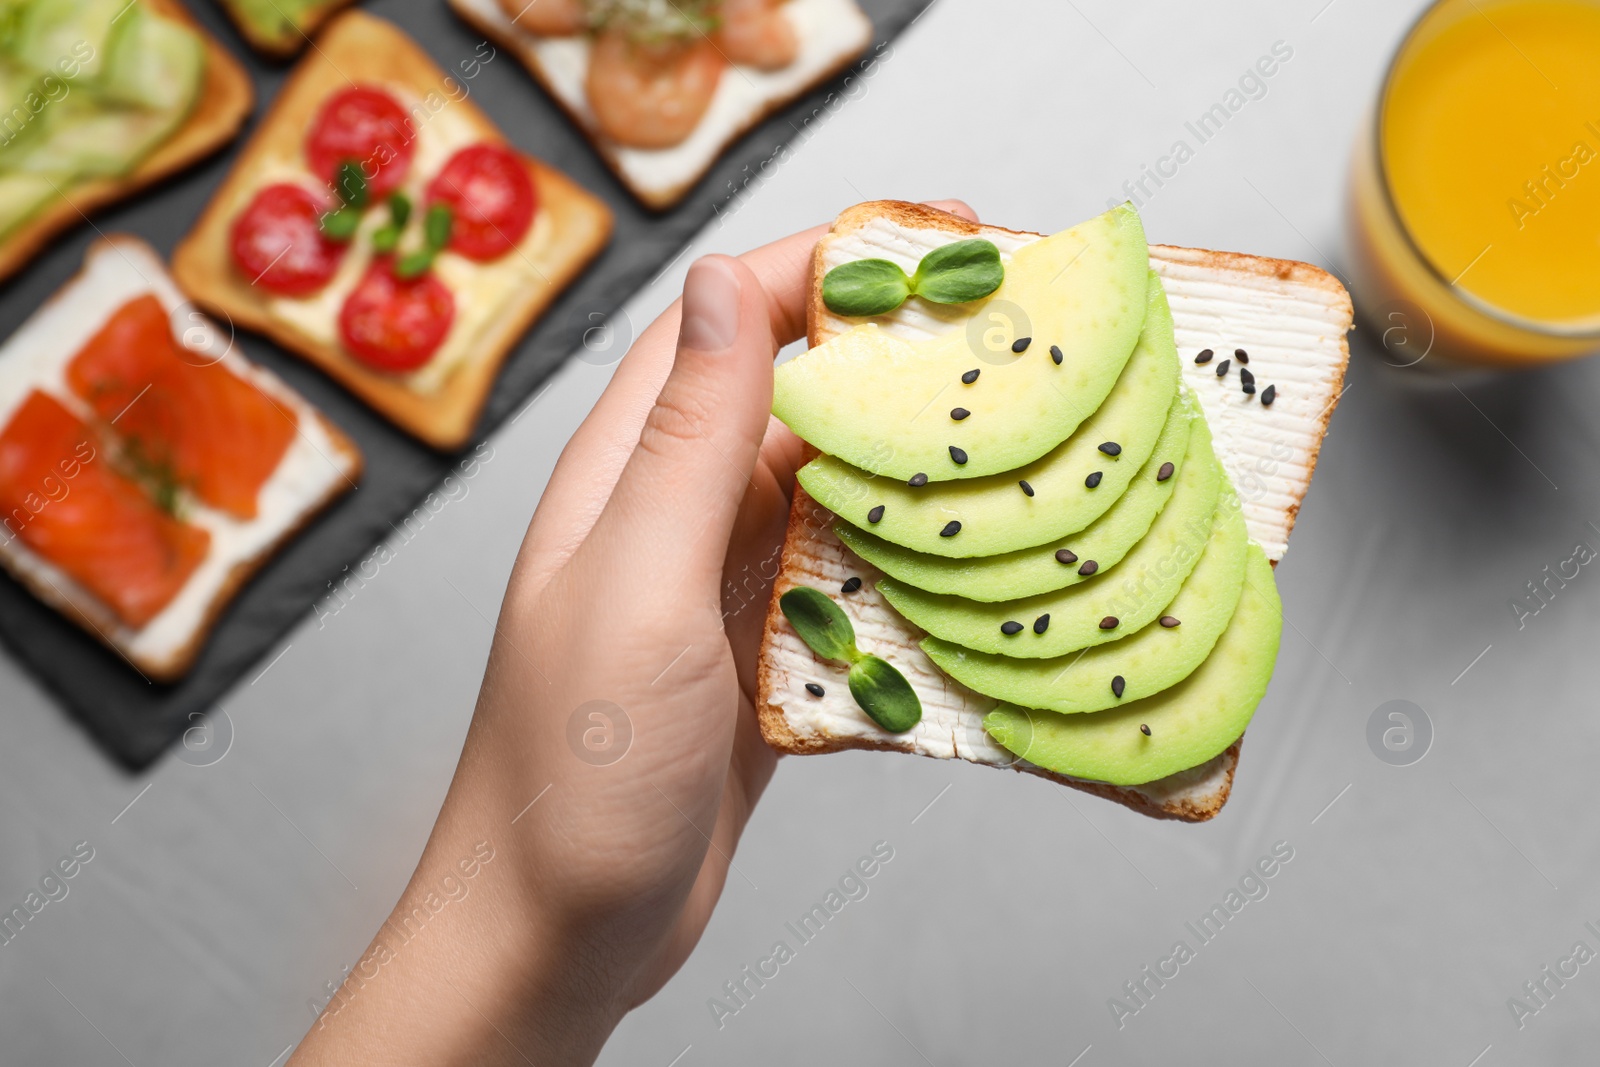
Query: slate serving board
x=134 y=720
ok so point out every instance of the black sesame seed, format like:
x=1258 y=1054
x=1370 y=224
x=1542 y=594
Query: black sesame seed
x=959 y=413
x=1241 y=355
x=1055 y=354
x=1110 y=622
x=1021 y=344
x=1088 y=568
x=850 y=585
x=918 y=480
x=1204 y=356
x=1093 y=479
x=1165 y=472
x=1246 y=377
x=1111 y=448
x=1143 y=729
x=875 y=514
x=1118 y=684
x=1066 y=555
x=1169 y=621
x=1249 y=388
x=1010 y=628
x=1268 y=395
x=969 y=377
x=1026 y=488
x=1222 y=368
x=959 y=455
x=951 y=528
x=1042 y=623
x=814 y=689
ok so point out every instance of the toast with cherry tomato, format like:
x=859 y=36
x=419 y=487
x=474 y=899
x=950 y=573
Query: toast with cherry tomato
x=147 y=468
x=281 y=28
x=380 y=226
x=102 y=99
x=663 y=89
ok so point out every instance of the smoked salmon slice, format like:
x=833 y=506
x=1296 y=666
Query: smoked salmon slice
x=183 y=421
x=60 y=496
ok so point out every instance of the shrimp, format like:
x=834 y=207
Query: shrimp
x=651 y=94
x=548 y=18
x=757 y=33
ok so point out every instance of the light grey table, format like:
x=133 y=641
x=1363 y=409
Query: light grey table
x=221 y=898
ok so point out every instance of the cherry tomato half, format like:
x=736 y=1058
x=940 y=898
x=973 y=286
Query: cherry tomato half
x=366 y=126
x=396 y=324
x=492 y=195
x=277 y=242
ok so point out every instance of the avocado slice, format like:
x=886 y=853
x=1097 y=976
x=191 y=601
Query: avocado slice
x=1027 y=572
x=884 y=404
x=49 y=31
x=994 y=513
x=1148 y=661
x=1133 y=592
x=1189 y=723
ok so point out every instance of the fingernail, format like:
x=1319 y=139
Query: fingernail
x=710 y=307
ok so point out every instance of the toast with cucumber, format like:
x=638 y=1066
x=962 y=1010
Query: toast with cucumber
x=102 y=98
x=281 y=28
x=1049 y=480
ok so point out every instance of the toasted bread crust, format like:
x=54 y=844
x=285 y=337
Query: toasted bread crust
x=520 y=44
x=226 y=98
x=291 y=44
x=1173 y=798
x=359 y=47
x=98 y=619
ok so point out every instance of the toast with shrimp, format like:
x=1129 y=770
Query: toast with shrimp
x=661 y=91
x=378 y=225
x=148 y=469
x=101 y=110
x=281 y=28
x=1236 y=323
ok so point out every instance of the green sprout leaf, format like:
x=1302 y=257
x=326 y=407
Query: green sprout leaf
x=959 y=272
x=884 y=694
x=821 y=624
x=951 y=274
x=340 y=225
x=437 y=226
x=865 y=287
x=387 y=237
x=351 y=185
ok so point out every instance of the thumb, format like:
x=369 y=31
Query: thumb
x=674 y=506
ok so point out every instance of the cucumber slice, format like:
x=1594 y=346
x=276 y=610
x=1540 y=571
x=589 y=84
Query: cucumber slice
x=88 y=140
x=21 y=196
x=153 y=62
x=50 y=32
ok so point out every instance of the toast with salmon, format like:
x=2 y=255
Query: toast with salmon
x=147 y=468
x=281 y=29
x=658 y=165
x=415 y=319
x=222 y=103
x=1289 y=320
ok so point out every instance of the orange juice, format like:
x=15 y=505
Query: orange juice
x=1477 y=192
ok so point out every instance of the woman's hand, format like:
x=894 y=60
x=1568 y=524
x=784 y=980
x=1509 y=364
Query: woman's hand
x=619 y=701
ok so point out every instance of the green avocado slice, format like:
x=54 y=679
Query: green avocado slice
x=995 y=515
x=1189 y=723
x=1148 y=661
x=1133 y=592
x=1031 y=571
x=884 y=404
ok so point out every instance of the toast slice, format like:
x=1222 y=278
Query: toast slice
x=441 y=402
x=832 y=33
x=226 y=98
x=321 y=465
x=288 y=34
x=1292 y=319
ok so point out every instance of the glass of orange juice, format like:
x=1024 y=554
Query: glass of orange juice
x=1475 y=190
